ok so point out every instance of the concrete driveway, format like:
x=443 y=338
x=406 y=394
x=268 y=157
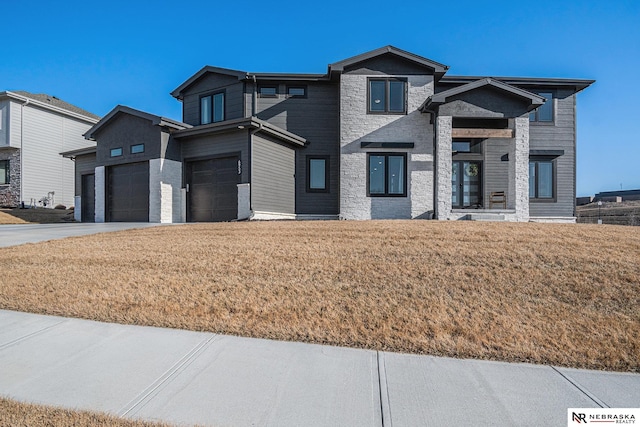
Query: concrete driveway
x=18 y=234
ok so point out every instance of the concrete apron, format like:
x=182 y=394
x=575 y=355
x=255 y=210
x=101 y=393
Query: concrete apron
x=188 y=377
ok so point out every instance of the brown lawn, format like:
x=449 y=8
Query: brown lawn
x=15 y=414
x=561 y=294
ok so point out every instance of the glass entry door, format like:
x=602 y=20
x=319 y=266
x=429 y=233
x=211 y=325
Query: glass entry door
x=466 y=180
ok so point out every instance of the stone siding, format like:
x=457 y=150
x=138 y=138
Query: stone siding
x=10 y=193
x=165 y=182
x=356 y=126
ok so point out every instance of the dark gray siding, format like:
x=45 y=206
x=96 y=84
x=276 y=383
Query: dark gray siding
x=124 y=131
x=85 y=164
x=315 y=118
x=208 y=146
x=273 y=176
x=388 y=64
x=560 y=135
x=495 y=170
x=210 y=83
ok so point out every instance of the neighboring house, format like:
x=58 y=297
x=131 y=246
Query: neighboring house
x=34 y=129
x=385 y=134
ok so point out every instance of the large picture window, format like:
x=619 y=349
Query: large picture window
x=541 y=182
x=544 y=113
x=212 y=108
x=387 y=175
x=317 y=174
x=4 y=172
x=387 y=96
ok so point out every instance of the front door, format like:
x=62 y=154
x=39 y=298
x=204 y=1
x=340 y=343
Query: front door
x=466 y=184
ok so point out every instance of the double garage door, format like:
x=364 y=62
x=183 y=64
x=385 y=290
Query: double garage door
x=128 y=192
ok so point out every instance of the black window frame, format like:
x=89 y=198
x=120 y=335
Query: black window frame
x=326 y=174
x=534 y=116
x=7 y=174
x=265 y=86
x=136 y=145
x=387 y=90
x=537 y=160
x=386 y=156
x=116 y=155
x=303 y=87
x=475 y=145
x=212 y=115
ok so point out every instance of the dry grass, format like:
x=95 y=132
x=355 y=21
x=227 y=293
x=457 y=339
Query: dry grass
x=16 y=414
x=561 y=294
x=35 y=215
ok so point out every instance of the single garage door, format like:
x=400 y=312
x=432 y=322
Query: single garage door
x=128 y=192
x=213 y=189
x=88 y=198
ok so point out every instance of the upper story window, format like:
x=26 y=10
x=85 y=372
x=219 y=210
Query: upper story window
x=212 y=108
x=4 y=172
x=387 y=96
x=297 y=91
x=268 y=91
x=544 y=113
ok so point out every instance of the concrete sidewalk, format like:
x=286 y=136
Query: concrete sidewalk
x=188 y=377
x=18 y=234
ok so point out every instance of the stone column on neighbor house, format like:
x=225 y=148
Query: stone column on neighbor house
x=100 y=194
x=443 y=167
x=165 y=195
x=518 y=194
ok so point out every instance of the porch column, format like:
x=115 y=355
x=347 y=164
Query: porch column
x=519 y=170
x=443 y=167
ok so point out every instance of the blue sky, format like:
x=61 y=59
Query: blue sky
x=100 y=54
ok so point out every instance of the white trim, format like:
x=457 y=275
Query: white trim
x=261 y=215
x=554 y=219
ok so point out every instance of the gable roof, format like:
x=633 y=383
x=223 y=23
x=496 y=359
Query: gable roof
x=438 y=68
x=177 y=92
x=441 y=97
x=155 y=120
x=577 y=84
x=51 y=103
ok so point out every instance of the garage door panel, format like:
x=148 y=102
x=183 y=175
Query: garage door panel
x=213 y=194
x=128 y=192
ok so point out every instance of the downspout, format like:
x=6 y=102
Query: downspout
x=254 y=99
x=22 y=150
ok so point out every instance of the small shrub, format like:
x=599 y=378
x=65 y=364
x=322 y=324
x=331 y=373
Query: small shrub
x=61 y=207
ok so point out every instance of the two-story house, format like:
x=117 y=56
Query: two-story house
x=385 y=134
x=34 y=129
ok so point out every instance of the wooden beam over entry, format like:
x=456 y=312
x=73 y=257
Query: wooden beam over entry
x=481 y=133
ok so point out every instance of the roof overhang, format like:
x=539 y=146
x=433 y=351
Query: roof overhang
x=435 y=100
x=121 y=109
x=72 y=154
x=438 y=69
x=249 y=123
x=27 y=100
x=576 y=84
x=177 y=92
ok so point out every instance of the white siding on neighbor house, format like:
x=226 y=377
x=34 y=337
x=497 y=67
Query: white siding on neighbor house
x=15 y=115
x=44 y=170
x=4 y=123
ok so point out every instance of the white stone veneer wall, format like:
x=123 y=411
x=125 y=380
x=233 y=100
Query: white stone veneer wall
x=519 y=169
x=100 y=194
x=443 y=166
x=165 y=195
x=357 y=126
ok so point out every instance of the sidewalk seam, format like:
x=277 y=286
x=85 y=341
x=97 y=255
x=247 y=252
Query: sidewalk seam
x=32 y=334
x=385 y=407
x=143 y=397
x=584 y=390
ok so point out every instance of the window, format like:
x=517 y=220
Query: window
x=466 y=146
x=4 y=172
x=268 y=91
x=387 y=175
x=212 y=108
x=297 y=91
x=317 y=174
x=387 y=96
x=544 y=113
x=541 y=179
x=115 y=152
x=138 y=148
